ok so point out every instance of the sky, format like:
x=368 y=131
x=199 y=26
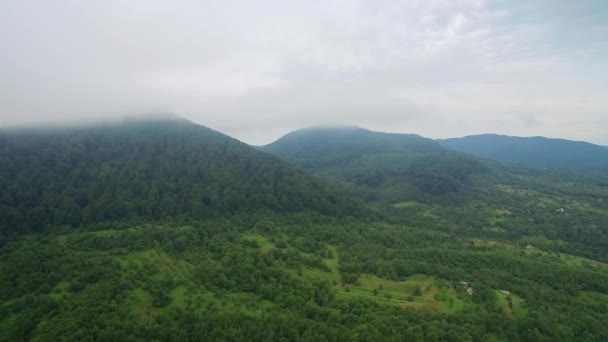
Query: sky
x=258 y=69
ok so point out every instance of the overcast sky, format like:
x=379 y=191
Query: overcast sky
x=258 y=69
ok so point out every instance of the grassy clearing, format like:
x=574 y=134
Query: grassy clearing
x=185 y=293
x=432 y=294
x=406 y=204
x=495 y=218
x=332 y=263
x=453 y=304
x=403 y=287
x=518 y=306
x=178 y=297
x=59 y=291
x=516 y=191
x=403 y=293
x=430 y=214
x=142 y=307
x=533 y=251
x=260 y=240
x=158 y=263
x=592 y=298
x=494 y=229
x=393 y=294
x=568 y=259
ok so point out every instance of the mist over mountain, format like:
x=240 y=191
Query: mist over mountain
x=145 y=169
x=120 y=221
x=533 y=151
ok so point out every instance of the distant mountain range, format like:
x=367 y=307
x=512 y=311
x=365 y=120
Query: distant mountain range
x=533 y=151
x=165 y=230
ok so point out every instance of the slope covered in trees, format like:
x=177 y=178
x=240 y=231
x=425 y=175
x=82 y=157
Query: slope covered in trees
x=383 y=164
x=516 y=254
x=533 y=151
x=417 y=182
x=146 y=171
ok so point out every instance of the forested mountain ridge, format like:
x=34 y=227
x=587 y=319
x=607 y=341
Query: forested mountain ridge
x=383 y=164
x=145 y=170
x=516 y=254
x=415 y=181
x=533 y=151
x=316 y=147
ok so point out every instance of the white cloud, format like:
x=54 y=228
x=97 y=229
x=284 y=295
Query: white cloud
x=256 y=69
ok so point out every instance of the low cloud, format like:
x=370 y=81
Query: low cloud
x=257 y=70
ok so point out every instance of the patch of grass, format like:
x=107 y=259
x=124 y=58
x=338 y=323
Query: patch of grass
x=178 y=297
x=429 y=214
x=443 y=299
x=142 y=307
x=568 y=259
x=449 y=301
x=332 y=263
x=381 y=296
x=405 y=287
x=405 y=204
x=260 y=240
x=494 y=229
x=592 y=298
x=518 y=307
x=155 y=261
x=59 y=291
x=317 y=274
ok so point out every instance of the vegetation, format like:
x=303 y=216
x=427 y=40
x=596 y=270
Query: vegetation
x=290 y=257
x=378 y=165
x=142 y=171
x=194 y=282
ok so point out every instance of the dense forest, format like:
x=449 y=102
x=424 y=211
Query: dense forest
x=169 y=231
x=142 y=171
x=380 y=164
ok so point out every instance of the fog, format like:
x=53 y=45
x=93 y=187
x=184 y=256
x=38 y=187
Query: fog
x=258 y=69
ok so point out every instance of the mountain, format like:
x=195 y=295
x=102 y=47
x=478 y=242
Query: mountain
x=386 y=164
x=533 y=151
x=145 y=170
x=185 y=234
x=417 y=182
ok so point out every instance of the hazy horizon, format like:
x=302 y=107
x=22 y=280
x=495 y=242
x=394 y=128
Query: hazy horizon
x=256 y=71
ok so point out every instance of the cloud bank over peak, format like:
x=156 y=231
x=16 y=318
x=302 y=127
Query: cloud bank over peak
x=258 y=69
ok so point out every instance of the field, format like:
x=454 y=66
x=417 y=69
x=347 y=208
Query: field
x=418 y=291
x=512 y=304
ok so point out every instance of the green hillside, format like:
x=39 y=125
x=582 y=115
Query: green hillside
x=168 y=231
x=145 y=171
x=292 y=278
x=395 y=166
x=416 y=181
